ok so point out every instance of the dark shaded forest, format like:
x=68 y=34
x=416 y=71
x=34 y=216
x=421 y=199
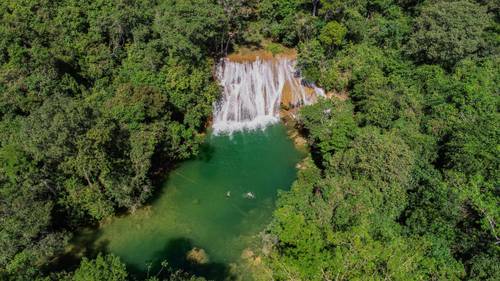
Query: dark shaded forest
x=99 y=99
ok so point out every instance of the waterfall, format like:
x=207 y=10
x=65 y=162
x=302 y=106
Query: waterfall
x=254 y=91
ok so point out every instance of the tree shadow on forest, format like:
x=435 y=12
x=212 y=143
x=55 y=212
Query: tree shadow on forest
x=175 y=254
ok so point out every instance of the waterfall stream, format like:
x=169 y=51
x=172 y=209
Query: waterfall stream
x=254 y=91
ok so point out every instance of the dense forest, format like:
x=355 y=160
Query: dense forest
x=99 y=99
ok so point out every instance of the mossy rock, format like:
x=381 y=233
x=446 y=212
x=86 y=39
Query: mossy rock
x=197 y=255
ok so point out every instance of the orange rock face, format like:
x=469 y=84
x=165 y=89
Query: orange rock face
x=247 y=55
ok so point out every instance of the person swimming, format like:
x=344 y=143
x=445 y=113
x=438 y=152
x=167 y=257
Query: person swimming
x=228 y=194
x=249 y=195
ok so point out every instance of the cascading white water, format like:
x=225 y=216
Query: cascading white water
x=253 y=92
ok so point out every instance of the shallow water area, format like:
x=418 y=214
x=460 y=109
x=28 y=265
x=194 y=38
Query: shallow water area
x=218 y=202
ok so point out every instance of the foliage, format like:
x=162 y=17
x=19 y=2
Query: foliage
x=330 y=125
x=96 y=99
x=332 y=34
x=402 y=179
x=274 y=48
x=311 y=57
x=107 y=267
x=448 y=31
x=285 y=22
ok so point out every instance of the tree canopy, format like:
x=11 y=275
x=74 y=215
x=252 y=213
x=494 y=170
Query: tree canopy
x=402 y=178
x=99 y=99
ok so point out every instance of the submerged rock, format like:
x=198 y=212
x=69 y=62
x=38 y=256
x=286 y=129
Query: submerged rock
x=250 y=257
x=197 y=255
x=247 y=254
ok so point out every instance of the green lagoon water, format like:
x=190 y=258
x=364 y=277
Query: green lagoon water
x=193 y=209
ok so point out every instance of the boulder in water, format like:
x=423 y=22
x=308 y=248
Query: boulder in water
x=197 y=255
x=247 y=254
x=250 y=257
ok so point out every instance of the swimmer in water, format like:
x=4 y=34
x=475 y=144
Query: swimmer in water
x=249 y=195
x=228 y=194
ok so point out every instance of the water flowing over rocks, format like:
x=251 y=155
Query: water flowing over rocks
x=254 y=91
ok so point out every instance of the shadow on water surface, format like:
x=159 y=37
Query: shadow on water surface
x=161 y=177
x=175 y=253
x=206 y=152
x=80 y=247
